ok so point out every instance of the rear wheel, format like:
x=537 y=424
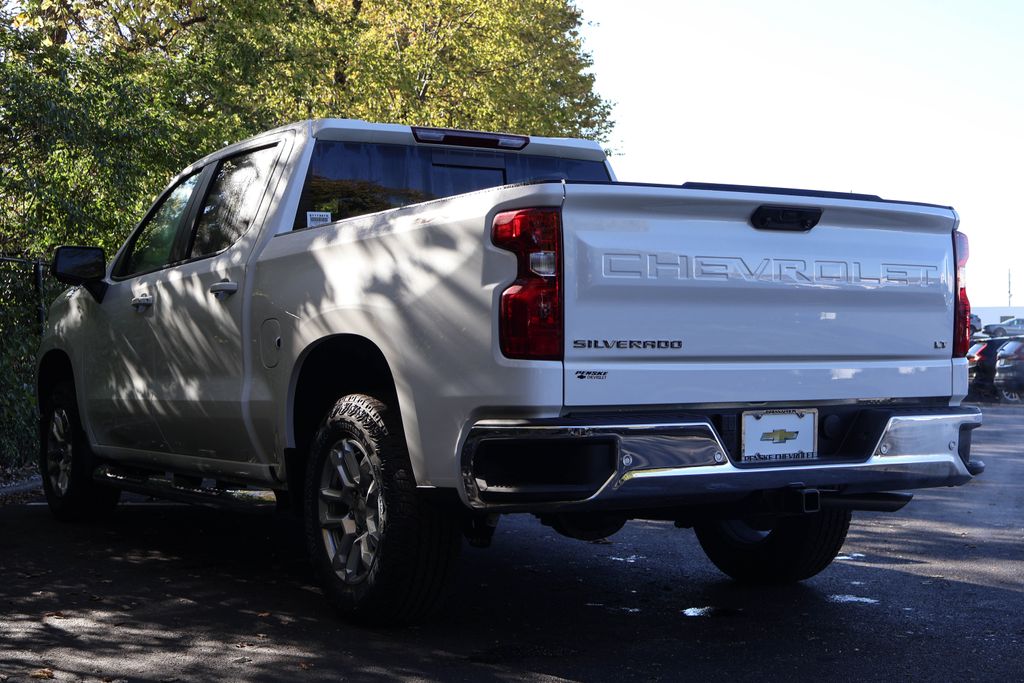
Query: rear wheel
x=66 y=462
x=382 y=552
x=784 y=550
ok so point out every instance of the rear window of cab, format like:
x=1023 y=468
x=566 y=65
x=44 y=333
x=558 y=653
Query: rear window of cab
x=347 y=179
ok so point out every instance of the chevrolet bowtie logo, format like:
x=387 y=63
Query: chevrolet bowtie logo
x=779 y=436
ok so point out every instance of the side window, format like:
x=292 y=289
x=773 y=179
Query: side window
x=230 y=206
x=347 y=179
x=152 y=247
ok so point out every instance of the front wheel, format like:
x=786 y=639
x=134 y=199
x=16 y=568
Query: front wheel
x=786 y=550
x=999 y=332
x=66 y=461
x=383 y=553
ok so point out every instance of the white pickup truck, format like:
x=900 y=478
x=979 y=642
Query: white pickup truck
x=407 y=332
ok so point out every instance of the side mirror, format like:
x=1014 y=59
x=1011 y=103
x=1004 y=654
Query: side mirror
x=85 y=266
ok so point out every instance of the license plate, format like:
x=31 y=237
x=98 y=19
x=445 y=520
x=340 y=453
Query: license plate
x=779 y=436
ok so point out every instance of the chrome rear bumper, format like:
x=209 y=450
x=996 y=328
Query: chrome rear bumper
x=664 y=463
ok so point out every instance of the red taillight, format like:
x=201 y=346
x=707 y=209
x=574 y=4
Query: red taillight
x=962 y=310
x=530 y=316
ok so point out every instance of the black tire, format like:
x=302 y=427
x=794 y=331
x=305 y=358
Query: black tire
x=999 y=332
x=66 y=462
x=413 y=556
x=795 y=548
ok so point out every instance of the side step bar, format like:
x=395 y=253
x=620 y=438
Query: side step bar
x=179 y=490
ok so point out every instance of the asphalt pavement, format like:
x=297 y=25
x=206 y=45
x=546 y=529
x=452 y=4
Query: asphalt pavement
x=164 y=592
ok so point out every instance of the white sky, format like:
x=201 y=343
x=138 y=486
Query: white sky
x=920 y=100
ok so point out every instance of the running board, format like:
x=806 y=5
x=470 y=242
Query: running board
x=160 y=486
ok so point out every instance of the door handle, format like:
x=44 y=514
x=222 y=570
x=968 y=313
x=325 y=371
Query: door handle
x=142 y=301
x=223 y=289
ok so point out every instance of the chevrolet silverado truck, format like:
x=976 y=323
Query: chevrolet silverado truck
x=403 y=333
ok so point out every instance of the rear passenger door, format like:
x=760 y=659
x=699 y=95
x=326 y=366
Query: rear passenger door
x=200 y=323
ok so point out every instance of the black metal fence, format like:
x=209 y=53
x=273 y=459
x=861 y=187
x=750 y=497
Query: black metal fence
x=25 y=291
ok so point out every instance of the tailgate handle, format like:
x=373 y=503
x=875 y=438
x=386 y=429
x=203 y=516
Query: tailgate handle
x=793 y=218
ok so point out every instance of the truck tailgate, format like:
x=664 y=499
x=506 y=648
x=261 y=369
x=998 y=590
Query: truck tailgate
x=673 y=297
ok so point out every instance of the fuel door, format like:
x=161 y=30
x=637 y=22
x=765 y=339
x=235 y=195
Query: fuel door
x=270 y=342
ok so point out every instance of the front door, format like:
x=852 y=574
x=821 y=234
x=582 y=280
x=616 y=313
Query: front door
x=120 y=362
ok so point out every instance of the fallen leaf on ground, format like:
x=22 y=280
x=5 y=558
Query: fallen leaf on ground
x=41 y=673
x=56 y=615
x=305 y=666
x=263 y=615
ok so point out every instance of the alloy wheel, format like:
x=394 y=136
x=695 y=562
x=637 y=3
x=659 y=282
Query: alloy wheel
x=59 y=452
x=351 y=510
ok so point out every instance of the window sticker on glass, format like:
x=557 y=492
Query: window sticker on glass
x=315 y=218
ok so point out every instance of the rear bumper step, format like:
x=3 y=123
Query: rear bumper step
x=873 y=502
x=517 y=465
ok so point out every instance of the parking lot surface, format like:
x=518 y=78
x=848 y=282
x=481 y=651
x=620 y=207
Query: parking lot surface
x=165 y=592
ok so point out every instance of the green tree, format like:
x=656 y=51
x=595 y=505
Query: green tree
x=103 y=101
x=515 y=65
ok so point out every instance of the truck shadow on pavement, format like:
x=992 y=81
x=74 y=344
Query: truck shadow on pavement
x=163 y=592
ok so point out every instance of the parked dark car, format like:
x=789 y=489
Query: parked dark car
x=1009 y=375
x=981 y=369
x=1007 y=327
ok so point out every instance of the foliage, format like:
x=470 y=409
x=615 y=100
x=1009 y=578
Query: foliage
x=495 y=65
x=103 y=101
x=19 y=318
